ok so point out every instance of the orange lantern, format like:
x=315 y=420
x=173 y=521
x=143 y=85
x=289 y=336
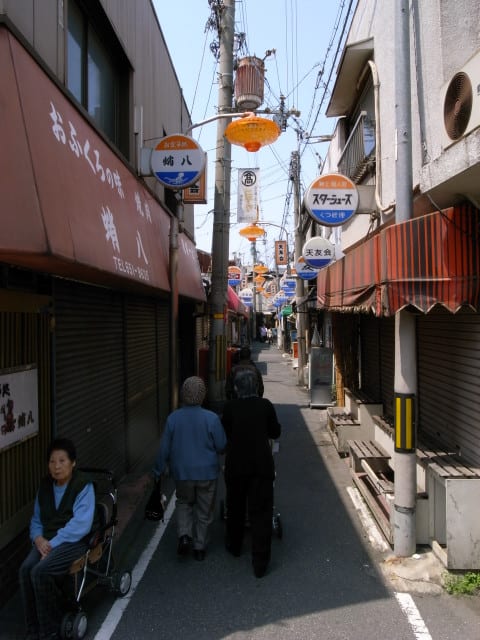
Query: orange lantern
x=260 y=268
x=252 y=232
x=252 y=132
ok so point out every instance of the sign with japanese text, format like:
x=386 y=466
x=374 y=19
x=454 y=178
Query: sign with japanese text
x=318 y=252
x=248 y=195
x=18 y=404
x=234 y=276
x=177 y=161
x=304 y=270
x=331 y=199
x=281 y=252
x=197 y=193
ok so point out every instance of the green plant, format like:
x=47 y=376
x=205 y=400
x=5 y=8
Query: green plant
x=466 y=584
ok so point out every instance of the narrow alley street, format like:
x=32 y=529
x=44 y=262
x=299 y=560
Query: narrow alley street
x=324 y=580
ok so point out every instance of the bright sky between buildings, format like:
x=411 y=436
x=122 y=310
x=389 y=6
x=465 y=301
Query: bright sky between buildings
x=307 y=36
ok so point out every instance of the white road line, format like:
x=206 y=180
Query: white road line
x=405 y=600
x=414 y=618
x=113 y=618
x=376 y=538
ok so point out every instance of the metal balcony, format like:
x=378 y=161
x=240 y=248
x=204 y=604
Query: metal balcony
x=359 y=151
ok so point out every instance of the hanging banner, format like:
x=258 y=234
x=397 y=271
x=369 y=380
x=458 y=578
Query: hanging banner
x=281 y=252
x=248 y=195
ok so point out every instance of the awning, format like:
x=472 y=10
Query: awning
x=352 y=282
x=421 y=263
x=70 y=206
x=432 y=260
x=235 y=304
x=190 y=283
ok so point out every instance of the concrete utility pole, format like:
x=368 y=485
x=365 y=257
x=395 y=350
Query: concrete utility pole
x=299 y=288
x=221 y=212
x=405 y=382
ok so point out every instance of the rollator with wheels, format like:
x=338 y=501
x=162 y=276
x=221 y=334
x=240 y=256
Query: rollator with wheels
x=96 y=566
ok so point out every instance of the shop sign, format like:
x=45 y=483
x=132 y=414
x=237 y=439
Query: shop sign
x=234 y=276
x=177 y=161
x=304 y=270
x=246 y=295
x=197 y=192
x=18 y=404
x=331 y=199
x=281 y=257
x=318 y=252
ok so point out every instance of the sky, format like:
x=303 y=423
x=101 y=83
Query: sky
x=305 y=35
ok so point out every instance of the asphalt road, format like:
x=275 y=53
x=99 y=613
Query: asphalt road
x=325 y=580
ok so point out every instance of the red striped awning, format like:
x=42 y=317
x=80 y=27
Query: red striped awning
x=235 y=304
x=432 y=260
x=421 y=263
x=351 y=284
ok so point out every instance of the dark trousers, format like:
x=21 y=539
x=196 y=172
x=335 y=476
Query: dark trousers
x=255 y=495
x=39 y=590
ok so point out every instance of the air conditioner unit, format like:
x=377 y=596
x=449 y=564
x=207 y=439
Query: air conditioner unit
x=461 y=102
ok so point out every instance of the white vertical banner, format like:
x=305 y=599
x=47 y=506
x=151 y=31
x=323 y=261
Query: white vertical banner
x=248 y=195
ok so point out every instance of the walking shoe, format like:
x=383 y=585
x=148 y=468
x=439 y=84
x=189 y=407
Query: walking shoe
x=199 y=554
x=233 y=550
x=184 y=543
x=259 y=570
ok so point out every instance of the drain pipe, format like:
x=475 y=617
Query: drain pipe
x=378 y=143
x=405 y=379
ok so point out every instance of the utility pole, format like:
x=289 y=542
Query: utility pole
x=405 y=380
x=221 y=211
x=299 y=288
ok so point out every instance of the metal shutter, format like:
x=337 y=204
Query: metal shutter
x=387 y=364
x=144 y=371
x=89 y=379
x=449 y=380
x=370 y=357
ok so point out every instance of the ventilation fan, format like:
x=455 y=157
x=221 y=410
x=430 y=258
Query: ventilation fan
x=457 y=107
x=461 y=102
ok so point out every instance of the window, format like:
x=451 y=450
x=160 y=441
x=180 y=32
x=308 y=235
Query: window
x=98 y=70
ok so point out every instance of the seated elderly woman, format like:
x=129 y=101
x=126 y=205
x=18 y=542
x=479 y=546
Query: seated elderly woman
x=63 y=517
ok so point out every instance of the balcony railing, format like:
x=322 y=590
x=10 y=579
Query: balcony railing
x=359 y=151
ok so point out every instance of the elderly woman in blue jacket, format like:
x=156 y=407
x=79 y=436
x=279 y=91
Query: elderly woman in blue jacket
x=62 y=518
x=191 y=444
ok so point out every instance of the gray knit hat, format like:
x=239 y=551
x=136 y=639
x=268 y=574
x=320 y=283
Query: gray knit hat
x=193 y=391
x=246 y=383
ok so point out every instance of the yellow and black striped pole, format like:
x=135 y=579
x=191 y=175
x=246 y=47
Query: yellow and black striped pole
x=405 y=434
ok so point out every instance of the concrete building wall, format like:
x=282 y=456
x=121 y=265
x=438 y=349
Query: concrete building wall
x=155 y=89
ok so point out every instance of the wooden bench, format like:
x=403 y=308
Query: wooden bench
x=376 y=457
x=445 y=464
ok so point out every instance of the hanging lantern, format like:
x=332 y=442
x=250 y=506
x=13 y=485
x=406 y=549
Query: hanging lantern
x=260 y=268
x=252 y=232
x=252 y=132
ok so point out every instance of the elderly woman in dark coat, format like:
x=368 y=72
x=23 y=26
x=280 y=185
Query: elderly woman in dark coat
x=250 y=423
